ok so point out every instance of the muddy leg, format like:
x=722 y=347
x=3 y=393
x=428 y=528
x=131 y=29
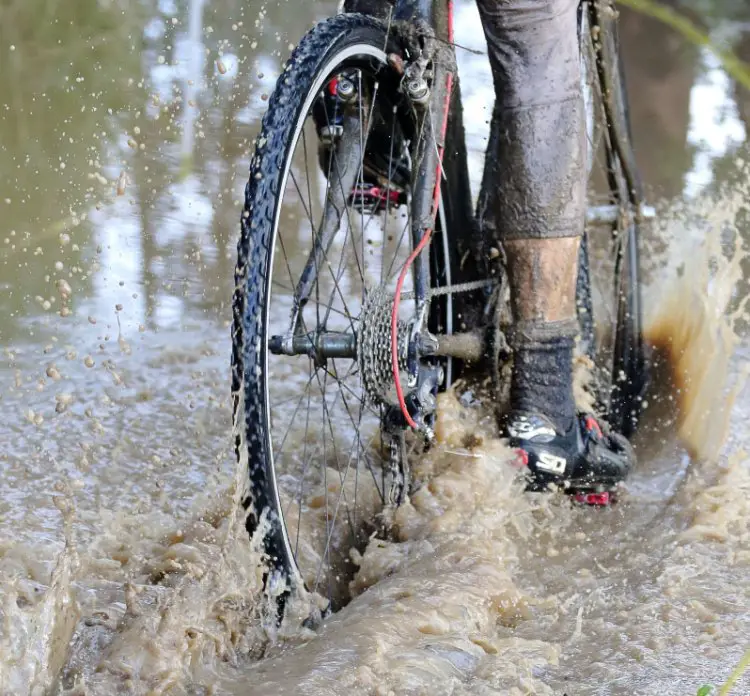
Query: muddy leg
x=534 y=190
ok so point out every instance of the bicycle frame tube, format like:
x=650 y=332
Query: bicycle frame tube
x=437 y=14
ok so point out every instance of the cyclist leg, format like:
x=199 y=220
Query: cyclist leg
x=533 y=203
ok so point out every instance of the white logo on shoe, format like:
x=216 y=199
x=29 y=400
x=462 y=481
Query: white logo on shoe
x=526 y=430
x=552 y=463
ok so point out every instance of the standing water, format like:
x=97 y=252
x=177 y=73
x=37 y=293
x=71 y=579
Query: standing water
x=125 y=134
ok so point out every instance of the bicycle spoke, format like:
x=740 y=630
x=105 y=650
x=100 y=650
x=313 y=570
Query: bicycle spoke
x=342 y=492
x=317 y=304
x=388 y=193
x=334 y=158
x=291 y=420
x=312 y=224
x=302 y=476
x=357 y=426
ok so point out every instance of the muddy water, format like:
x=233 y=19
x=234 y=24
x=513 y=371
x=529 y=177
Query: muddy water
x=124 y=136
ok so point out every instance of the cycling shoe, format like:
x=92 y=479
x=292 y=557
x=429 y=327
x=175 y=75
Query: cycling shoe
x=588 y=462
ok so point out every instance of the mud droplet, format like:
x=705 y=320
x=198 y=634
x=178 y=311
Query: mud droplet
x=63 y=401
x=88 y=361
x=53 y=373
x=63 y=287
x=396 y=62
x=122 y=183
x=221 y=67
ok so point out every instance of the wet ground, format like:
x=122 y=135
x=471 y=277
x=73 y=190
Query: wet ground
x=124 y=142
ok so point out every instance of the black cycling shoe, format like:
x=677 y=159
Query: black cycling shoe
x=588 y=462
x=386 y=170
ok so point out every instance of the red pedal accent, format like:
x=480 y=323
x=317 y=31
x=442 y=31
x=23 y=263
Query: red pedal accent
x=367 y=193
x=522 y=459
x=592 y=426
x=596 y=499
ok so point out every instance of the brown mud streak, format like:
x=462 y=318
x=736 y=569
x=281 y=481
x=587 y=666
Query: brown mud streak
x=692 y=342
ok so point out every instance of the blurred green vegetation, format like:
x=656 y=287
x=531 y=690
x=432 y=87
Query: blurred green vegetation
x=94 y=87
x=78 y=81
x=65 y=70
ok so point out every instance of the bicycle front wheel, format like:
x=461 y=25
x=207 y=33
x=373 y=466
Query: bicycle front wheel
x=325 y=232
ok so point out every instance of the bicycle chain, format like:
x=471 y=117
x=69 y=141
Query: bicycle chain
x=460 y=287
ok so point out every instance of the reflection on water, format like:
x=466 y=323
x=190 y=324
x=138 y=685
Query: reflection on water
x=114 y=390
x=714 y=123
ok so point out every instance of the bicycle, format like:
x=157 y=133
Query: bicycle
x=335 y=365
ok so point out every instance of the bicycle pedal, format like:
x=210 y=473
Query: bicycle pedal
x=521 y=460
x=602 y=499
x=371 y=199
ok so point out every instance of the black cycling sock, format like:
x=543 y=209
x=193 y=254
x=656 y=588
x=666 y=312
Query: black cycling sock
x=542 y=380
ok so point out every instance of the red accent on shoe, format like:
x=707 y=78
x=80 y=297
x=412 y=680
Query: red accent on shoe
x=522 y=459
x=592 y=426
x=596 y=499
